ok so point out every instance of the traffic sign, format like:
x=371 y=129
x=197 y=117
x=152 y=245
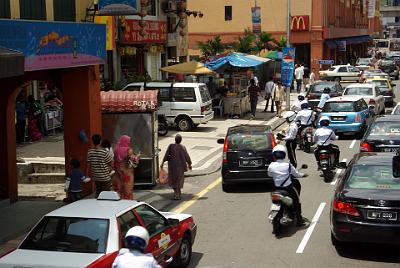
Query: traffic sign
x=322 y=62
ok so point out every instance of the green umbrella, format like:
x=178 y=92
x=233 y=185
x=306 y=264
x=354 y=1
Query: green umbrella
x=273 y=55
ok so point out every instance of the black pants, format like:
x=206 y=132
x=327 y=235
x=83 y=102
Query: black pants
x=102 y=186
x=331 y=148
x=291 y=149
x=20 y=130
x=268 y=98
x=74 y=196
x=294 y=192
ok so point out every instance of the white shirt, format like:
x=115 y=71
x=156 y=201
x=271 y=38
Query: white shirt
x=291 y=132
x=324 y=98
x=279 y=171
x=296 y=107
x=305 y=116
x=299 y=73
x=324 y=136
x=269 y=86
x=132 y=258
x=312 y=78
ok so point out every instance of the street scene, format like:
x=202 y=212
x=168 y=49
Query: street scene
x=180 y=133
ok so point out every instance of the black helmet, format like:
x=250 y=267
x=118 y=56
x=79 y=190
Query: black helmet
x=304 y=105
x=327 y=90
x=300 y=97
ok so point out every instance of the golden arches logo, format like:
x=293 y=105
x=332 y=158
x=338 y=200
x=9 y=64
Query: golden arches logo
x=298 y=21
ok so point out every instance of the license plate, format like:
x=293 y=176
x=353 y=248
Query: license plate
x=250 y=163
x=324 y=162
x=338 y=118
x=275 y=207
x=382 y=215
x=389 y=150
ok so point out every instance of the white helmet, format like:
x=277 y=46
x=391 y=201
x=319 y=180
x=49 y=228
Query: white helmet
x=324 y=121
x=137 y=238
x=279 y=148
x=279 y=152
x=289 y=115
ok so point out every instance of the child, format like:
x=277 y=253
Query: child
x=73 y=181
x=107 y=146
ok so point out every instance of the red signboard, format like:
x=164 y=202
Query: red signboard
x=129 y=101
x=147 y=31
x=300 y=23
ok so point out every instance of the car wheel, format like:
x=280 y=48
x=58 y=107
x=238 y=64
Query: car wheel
x=337 y=79
x=195 y=125
x=184 y=254
x=184 y=123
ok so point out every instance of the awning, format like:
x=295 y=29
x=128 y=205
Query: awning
x=190 y=67
x=334 y=43
x=129 y=101
x=11 y=63
x=236 y=60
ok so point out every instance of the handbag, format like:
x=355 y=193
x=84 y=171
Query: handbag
x=163 y=176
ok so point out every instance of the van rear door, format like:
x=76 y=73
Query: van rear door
x=206 y=101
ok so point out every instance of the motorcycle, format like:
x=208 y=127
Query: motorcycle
x=326 y=162
x=305 y=139
x=281 y=212
x=162 y=125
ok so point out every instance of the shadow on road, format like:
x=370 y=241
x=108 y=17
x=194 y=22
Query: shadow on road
x=196 y=257
x=370 y=252
x=252 y=188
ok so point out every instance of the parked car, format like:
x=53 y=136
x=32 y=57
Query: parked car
x=396 y=109
x=370 y=73
x=247 y=154
x=185 y=105
x=316 y=90
x=371 y=94
x=340 y=73
x=389 y=66
x=364 y=63
x=90 y=232
x=348 y=114
x=383 y=135
x=365 y=206
x=386 y=87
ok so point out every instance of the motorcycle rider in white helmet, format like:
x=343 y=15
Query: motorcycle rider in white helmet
x=296 y=107
x=290 y=137
x=137 y=239
x=284 y=175
x=323 y=137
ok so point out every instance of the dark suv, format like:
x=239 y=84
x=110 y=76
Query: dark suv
x=247 y=154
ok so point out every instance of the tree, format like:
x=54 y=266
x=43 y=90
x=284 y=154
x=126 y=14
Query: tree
x=281 y=43
x=245 y=43
x=264 y=42
x=212 y=47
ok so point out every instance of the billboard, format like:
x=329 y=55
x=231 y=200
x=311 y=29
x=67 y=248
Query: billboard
x=109 y=21
x=256 y=19
x=51 y=45
x=117 y=7
x=300 y=23
x=151 y=32
x=288 y=56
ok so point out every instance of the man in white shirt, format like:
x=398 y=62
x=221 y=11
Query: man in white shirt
x=296 y=107
x=290 y=137
x=312 y=76
x=269 y=86
x=299 y=73
x=305 y=116
x=323 y=137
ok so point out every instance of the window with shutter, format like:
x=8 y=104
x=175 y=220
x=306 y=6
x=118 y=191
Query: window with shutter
x=32 y=9
x=5 y=12
x=64 y=10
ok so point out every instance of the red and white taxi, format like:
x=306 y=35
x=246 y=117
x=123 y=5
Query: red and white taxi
x=90 y=232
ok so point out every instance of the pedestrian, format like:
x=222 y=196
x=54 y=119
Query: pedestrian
x=269 y=87
x=125 y=161
x=312 y=77
x=106 y=144
x=178 y=163
x=73 y=183
x=290 y=137
x=299 y=73
x=99 y=161
x=254 y=91
x=34 y=112
x=20 y=109
x=278 y=95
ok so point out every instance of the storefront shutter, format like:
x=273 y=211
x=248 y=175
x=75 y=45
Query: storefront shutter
x=5 y=12
x=64 y=10
x=32 y=9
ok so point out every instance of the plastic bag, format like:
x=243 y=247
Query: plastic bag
x=163 y=176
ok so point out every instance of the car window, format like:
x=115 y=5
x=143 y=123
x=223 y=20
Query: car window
x=357 y=91
x=204 y=93
x=372 y=177
x=378 y=92
x=319 y=88
x=396 y=110
x=352 y=69
x=165 y=94
x=331 y=69
x=343 y=70
x=342 y=106
x=379 y=83
x=127 y=221
x=153 y=221
x=250 y=141
x=68 y=234
x=385 y=129
x=133 y=88
x=184 y=94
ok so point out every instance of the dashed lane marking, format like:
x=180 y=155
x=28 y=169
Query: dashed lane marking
x=338 y=171
x=352 y=144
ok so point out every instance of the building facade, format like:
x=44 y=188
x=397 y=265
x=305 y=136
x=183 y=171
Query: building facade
x=390 y=11
x=320 y=29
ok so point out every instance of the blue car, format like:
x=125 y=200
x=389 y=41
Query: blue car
x=348 y=114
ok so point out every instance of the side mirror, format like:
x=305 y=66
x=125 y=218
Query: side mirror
x=304 y=166
x=396 y=166
x=371 y=107
x=343 y=165
x=221 y=141
x=173 y=222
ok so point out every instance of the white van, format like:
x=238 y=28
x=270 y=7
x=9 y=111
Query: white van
x=185 y=105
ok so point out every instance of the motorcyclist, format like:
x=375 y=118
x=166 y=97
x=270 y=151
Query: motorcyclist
x=290 y=137
x=324 y=97
x=305 y=116
x=284 y=175
x=136 y=239
x=323 y=137
x=296 y=107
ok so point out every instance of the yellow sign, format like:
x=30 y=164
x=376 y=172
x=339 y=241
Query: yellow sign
x=110 y=30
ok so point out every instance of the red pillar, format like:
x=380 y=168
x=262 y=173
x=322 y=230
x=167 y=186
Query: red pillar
x=82 y=110
x=317 y=39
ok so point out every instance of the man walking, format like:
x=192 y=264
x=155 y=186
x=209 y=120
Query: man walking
x=99 y=160
x=269 y=87
x=299 y=73
x=254 y=91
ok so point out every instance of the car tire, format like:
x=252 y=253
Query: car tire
x=337 y=79
x=195 y=125
x=184 y=255
x=184 y=123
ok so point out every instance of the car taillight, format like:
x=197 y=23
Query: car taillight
x=323 y=156
x=224 y=157
x=345 y=208
x=273 y=141
x=365 y=147
x=371 y=102
x=388 y=93
x=276 y=197
x=203 y=109
x=357 y=120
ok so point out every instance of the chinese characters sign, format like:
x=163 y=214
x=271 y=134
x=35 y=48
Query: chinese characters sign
x=151 y=32
x=300 y=23
x=287 y=66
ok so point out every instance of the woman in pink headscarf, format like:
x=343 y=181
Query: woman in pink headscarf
x=125 y=160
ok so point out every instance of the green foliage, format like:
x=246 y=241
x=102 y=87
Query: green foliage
x=281 y=43
x=212 y=47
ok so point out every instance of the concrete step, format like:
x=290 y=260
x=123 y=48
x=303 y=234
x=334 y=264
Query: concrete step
x=48 y=167
x=39 y=178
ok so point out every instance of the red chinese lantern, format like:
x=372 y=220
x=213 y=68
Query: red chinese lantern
x=181 y=5
x=143 y=13
x=182 y=33
x=142 y=32
x=144 y=2
x=142 y=23
x=182 y=15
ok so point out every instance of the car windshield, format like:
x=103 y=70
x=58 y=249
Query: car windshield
x=379 y=83
x=319 y=88
x=205 y=95
x=385 y=129
x=372 y=177
x=387 y=62
x=68 y=234
x=358 y=91
x=340 y=106
x=331 y=69
x=363 y=61
x=249 y=141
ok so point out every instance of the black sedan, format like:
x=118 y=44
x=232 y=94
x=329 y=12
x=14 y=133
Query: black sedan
x=315 y=91
x=366 y=205
x=383 y=135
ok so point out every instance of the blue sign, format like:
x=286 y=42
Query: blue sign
x=51 y=45
x=288 y=56
x=117 y=7
x=326 y=62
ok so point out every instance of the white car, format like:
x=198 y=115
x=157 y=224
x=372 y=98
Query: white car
x=364 y=63
x=370 y=93
x=396 y=109
x=90 y=233
x=340 y=73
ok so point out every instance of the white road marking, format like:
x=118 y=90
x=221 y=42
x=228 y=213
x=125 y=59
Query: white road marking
x=310 y=229
x=338 y=171
x=352 y=144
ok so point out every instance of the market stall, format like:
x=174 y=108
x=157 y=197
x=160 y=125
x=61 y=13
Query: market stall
x=134 y=113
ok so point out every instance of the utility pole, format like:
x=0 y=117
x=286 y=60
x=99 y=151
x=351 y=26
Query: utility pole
x=288 y=45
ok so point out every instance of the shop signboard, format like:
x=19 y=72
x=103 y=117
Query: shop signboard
x=326 y=62
x=287 y=65
x=300 y=23
x=51 y=45
x=150 y=32
x=342 y=46
x=256 y=19
x=117 y=7
x=110 y=30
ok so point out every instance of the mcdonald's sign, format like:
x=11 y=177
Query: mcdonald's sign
x=300 y=23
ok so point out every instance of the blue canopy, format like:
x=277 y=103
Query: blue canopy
x=235 y=59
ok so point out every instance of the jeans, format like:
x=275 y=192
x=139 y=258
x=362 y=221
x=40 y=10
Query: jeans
x=253 y=105
x=298 y=84
x=102 y=186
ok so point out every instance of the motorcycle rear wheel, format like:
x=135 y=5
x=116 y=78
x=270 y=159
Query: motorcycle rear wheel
x=328 y=175
x=307 y=147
